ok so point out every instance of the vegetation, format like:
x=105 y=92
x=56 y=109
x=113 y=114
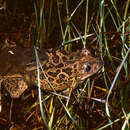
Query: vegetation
x=103 y=102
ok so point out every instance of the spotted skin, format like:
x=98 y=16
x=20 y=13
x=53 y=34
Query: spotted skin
x=63 y=70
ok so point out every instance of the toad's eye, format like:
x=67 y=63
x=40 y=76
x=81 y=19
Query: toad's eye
x=87 y=68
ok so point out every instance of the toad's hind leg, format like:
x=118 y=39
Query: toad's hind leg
x=15 y=86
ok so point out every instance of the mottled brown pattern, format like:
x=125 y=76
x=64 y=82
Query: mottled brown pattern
x=15 y=85
x=63 y=70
